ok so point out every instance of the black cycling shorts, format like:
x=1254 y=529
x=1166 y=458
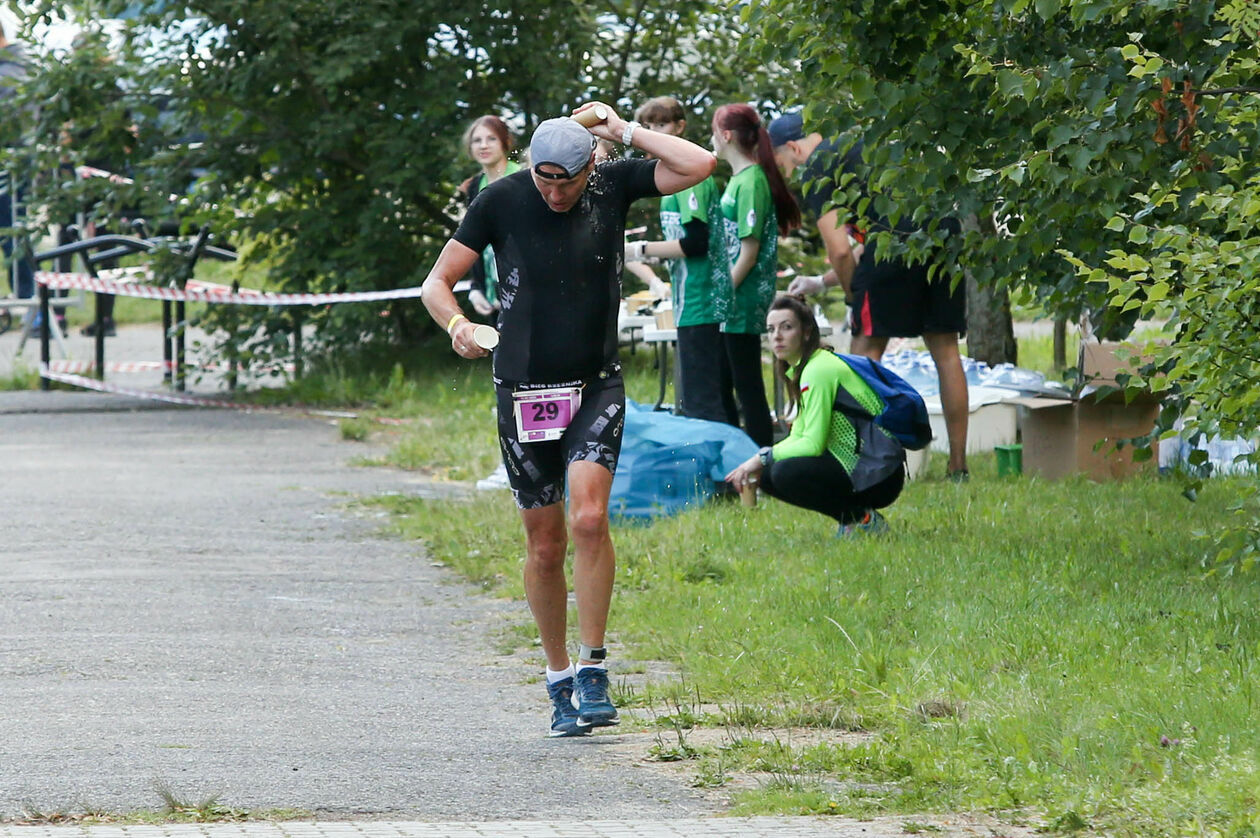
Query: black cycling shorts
x=536 y=470
x=893 y=300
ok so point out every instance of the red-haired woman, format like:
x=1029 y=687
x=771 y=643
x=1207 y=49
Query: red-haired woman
x=756 y=207
x=488 y=142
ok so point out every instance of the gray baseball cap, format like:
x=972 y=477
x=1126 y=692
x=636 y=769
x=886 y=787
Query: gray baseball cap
x=561 y=142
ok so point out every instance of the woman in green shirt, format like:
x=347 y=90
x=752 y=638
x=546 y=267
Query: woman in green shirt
x=811 y=468
x=488 y=142
x=756 y=207
x=694 y=244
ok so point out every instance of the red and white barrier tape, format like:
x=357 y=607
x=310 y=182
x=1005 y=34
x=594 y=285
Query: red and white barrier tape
x=70 y=366
x=196 y=401
x=106 y=387
x=249 y=297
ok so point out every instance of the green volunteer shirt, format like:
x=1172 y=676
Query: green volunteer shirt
x=701 y=294
x=748 y=210
x=818 y=426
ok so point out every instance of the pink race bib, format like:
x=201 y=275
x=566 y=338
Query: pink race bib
x=543 y=415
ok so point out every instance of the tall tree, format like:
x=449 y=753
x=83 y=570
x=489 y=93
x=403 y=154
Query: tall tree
x=1019 y=112
x=322 y=134
x=1114 y=143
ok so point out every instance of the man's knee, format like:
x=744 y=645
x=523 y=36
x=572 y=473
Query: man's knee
x=588 y=522
x=545 y=539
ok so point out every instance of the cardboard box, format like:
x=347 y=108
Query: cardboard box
x=991 y=419
x=917 y=463
x=1068 y=436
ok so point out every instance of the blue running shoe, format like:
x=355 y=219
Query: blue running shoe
x=564 y=716
x=591 y=699
x=872 y=524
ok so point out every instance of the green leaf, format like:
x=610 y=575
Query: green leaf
x=1047 y=9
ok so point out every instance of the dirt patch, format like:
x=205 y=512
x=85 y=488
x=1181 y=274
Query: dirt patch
x=663 y=752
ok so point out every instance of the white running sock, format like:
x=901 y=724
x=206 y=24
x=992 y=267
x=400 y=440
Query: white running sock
x=554 y=676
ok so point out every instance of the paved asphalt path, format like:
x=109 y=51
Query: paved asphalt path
x=188 y=601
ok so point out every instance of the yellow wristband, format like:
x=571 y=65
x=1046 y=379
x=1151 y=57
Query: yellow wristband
x=454 y=319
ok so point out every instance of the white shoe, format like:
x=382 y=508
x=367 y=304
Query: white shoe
x=497 y=479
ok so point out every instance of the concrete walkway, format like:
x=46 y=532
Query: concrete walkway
x=192 y=606
x=681 y=828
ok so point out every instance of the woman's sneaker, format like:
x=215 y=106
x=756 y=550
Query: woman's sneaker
x=564 y=716
x=591 y=699
x=872 y=524
x=497 y=479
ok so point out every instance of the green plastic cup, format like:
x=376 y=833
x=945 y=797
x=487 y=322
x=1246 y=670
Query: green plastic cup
x=1010 y=459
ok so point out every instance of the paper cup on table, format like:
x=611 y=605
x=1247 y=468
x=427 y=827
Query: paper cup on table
x=485 y=337
x=592 y=116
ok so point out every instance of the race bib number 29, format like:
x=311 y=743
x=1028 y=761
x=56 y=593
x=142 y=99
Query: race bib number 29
x=543 y=415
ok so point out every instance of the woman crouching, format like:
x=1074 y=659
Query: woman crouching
x=833 y=462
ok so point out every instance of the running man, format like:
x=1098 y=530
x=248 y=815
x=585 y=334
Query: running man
x=558 y=232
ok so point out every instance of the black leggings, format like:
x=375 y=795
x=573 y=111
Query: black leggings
x=705 y=375
x=744 y=354
x=821 y=484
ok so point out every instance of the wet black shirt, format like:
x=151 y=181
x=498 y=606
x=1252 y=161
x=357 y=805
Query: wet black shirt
x=559 y=273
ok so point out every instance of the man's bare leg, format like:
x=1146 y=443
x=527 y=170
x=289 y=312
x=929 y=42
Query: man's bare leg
x=594 y=561
x=871 y=347
x=594 y=566
x=943 y=347
x=546 y=590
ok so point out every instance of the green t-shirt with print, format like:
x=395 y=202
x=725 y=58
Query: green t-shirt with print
x=748 y=211
x=701 y=294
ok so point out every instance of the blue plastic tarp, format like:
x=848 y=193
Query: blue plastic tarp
x=671 y=462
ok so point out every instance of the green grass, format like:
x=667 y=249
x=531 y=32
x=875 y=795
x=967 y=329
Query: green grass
x=1052 y=649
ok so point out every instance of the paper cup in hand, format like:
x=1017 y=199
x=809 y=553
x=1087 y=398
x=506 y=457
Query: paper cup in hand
x=485 y=337
x=592 y=116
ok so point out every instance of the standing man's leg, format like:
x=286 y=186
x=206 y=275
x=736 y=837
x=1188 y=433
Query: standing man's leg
x=955 y=404
x=594 y=566
x=944 y=324
x=547 y=593
x=594 y=560
x=868 y=346
x=546 y=590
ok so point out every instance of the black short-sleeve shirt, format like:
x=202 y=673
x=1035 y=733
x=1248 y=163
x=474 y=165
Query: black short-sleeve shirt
x=827 y=165
x=559 y=273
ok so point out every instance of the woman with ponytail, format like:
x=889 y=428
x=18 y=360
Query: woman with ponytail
x=756 y=208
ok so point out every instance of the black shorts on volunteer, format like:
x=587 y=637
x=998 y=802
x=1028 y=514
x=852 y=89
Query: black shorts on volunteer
x=536 y=470
x=893 y=300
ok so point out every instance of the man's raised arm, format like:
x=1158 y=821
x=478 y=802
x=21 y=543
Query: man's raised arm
x=681 y=163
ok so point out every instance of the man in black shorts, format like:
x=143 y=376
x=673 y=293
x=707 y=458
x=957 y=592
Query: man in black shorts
x=888 y=298
x=558 y=232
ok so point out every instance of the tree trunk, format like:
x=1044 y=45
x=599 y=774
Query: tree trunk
x=990 y=333
x=1060 y=343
